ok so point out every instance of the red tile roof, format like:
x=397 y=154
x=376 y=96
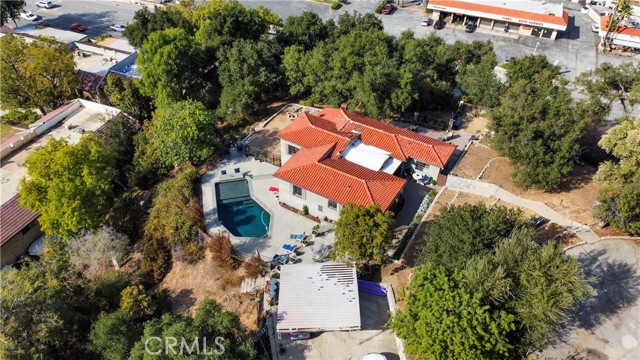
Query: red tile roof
x=4 y=29
x=623 y=30
x=339 y=179
x=13 y=218
x=311 y=131
x=506 y=12
x=88 y=82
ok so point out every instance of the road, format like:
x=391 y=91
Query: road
x=96 y=15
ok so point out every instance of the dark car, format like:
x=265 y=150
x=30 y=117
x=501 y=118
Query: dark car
x=439 y=24
x=77 y=27
x=299 y=335
x=387 y=9
x=470 y=27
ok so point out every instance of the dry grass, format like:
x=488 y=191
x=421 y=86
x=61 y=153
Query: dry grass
x=474 y=161
x=476 y=125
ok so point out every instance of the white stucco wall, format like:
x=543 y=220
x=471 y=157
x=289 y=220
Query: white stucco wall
x=284 y=153
x=429 y=170
x=312 y=200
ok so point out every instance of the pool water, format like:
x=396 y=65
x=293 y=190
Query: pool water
x=238 y=212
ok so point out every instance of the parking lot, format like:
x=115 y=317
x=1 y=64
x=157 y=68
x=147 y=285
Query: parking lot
x=349 y=345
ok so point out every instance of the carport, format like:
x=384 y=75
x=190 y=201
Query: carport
x=318 y=297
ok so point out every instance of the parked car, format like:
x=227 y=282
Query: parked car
x=439 y=24
x=584 y=10
x=44 y=4
x=28 y=15
x=300 y=335
x=470 y=27
x=374 y=356
x=117 y=27
x=387 y=9
x=508 y=59
x=77 y=27
x=595 y=28
x=426 y=22
x=537 y=221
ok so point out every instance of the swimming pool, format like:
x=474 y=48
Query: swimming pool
x=238 y=212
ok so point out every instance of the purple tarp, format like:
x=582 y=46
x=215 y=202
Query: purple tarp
x=371 y=288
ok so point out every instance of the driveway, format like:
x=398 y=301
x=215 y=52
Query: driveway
x=606 y=326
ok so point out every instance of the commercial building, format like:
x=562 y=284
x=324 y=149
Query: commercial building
x=628 y=33
x=18 y=226
x=337 y=157
x=524 y=17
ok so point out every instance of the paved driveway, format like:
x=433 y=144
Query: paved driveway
x=607 y=326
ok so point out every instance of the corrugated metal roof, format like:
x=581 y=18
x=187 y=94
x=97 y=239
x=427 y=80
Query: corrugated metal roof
x=318 y=297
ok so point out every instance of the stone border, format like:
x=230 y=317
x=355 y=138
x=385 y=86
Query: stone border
x=391 y=299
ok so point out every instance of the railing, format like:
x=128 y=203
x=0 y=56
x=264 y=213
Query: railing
x=263 y=155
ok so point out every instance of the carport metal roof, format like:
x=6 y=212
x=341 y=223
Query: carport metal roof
x=318 y=297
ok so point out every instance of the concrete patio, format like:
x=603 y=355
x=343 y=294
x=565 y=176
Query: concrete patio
x=283 y=222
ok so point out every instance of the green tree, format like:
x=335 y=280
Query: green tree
x=146 y=22
x=117 y=137
x=113 y=335
x=69 y=185
x=249 y=71
x=622 y=141
x=269 y=16
x=182 y=132
x=363 y=234
x=530 y=67
x=459 y=232
x=349 y=22
x=538 y=128
x=10 y=10
x=293 y=63
x=610 y=83
x=171 y=217
x=305 y=30
x=619 y=205
x=444 y=320
x=156 y=259
x=480 y=84
x=127 y=96
x=136 y=303
x=45 y=312
x=40 y=74
x=170 y=63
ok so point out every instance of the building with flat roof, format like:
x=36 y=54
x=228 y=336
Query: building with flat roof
x=71 y=122
x=628 y=33
x=524 y=17
x=29 y=32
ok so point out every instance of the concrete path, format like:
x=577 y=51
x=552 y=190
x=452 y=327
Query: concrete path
x=605 y=326
x=493 y=191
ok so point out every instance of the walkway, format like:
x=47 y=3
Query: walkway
x=485 y=189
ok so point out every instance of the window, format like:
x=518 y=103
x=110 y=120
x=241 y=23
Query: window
x=332 y=205
x=297 y=191
x=27 y=228
x=320 y=208
x=292 y=149
x=420 y=165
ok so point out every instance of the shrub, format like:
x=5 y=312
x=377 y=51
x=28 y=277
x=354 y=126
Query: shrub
x=15 y=117
x=92 y=252
x=155 y=260
x=381 y=6
x=305 y=210
x=102 y=37
x=222 y=251
x=335 y=5
x=230 y=280
x=192 y=253
x=253 y=267
x=136 y=303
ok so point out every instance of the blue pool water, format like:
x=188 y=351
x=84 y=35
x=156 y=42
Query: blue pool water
x=239 y=213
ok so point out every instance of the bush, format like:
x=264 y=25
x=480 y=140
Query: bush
x=102 y=37
x=381 y=6
x=155 y=260
x=192 y=253
x=305 y=210
x=15 y=117
x=136 y=303
x=230 y=280
x=335 y=5
x=253 y=267
x=222 y=251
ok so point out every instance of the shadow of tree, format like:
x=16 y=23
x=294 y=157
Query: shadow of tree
x=182 y=301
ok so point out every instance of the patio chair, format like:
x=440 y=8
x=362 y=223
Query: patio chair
x=223 y=172
x=236 y=170
x=298 y=237
x=290 y=248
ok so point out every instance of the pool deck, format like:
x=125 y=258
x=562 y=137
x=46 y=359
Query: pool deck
x=283 y=222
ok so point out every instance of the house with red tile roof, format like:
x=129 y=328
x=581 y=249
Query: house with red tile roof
x=336 y=157
x=523 y=17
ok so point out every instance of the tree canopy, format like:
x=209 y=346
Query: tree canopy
x=10 y=10
x=127 y=96
x=480 y=84
x=528 y=67
x=363 y=234
x=612 y=83
x=305 y=30
x=40 y=74
x=69 y=185
x=444 y=320
x=92 y=252
x=146 y=22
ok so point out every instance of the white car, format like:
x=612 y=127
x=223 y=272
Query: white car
x=595 y=28
x=44 y=4
x=426 y=22
x=584 y=10
x=117 y=27
x=28 y=15
x=374 y=356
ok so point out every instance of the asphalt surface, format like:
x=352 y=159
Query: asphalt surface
x=96 y=15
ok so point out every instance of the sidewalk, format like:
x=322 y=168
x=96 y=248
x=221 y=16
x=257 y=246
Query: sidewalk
x=485 y=189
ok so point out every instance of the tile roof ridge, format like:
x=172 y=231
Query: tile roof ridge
x=338 y=132
x=349 y=120
x=432 y=146
x=366 y=185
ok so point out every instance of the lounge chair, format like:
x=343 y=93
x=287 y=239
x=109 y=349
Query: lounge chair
x=298 y=237
x=223 y=172
x=236 y=170
x=290 y=248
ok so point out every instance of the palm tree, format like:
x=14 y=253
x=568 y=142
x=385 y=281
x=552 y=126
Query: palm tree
x=621 y=11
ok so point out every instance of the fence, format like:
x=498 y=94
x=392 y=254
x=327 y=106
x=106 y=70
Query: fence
x=263 y=155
